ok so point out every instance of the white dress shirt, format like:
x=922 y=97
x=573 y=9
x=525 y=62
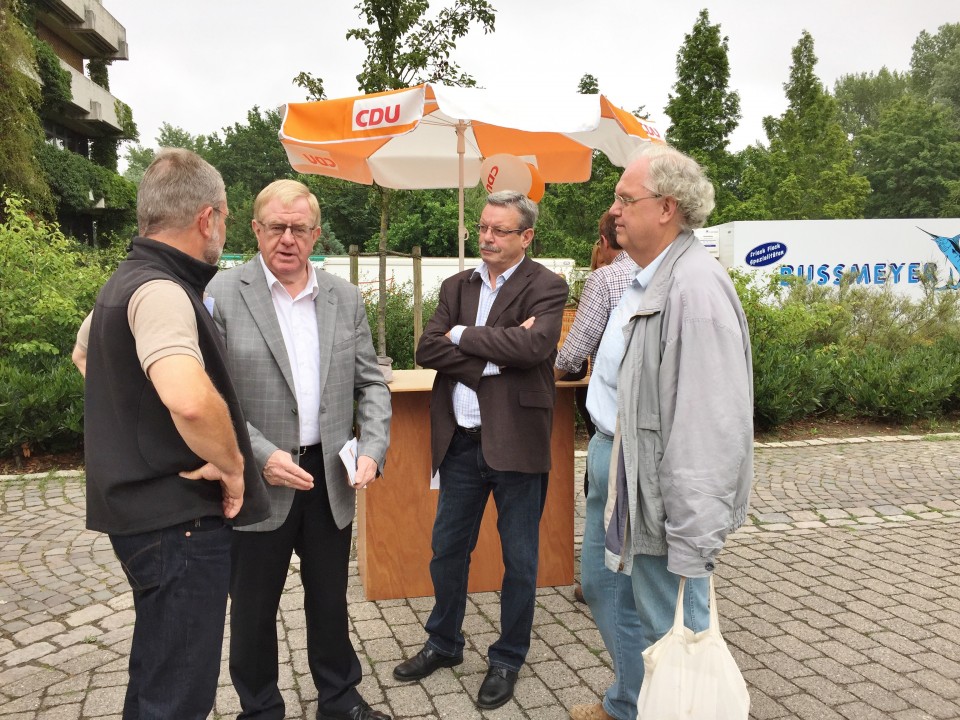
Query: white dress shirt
x=298 y=325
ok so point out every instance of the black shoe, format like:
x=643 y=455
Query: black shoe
x=497 y=688
x=422 y=664
x=357 y=712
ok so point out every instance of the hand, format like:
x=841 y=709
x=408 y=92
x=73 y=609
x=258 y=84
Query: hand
x=231 y=485
x=366 y=472
x=280 y=470
x=528 y=323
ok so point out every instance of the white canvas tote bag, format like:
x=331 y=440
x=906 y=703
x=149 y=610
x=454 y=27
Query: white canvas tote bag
x=692 y=676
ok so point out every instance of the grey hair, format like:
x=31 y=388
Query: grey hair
x=177 y=185
x=674 y=174
x=511 y=198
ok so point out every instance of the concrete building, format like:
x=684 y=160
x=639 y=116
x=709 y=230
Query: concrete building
x=80 y=31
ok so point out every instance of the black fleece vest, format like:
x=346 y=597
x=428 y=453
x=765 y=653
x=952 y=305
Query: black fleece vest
x=133 y=450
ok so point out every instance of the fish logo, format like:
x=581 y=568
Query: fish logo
x=949 y=246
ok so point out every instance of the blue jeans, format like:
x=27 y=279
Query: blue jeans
x=610 y=594
x=655 y=592
x=465 y=485
x=179 y=576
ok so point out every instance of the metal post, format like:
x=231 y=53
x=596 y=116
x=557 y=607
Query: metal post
x=417 y=301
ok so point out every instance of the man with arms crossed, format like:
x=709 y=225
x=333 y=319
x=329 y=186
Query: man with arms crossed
x=160 y=415
x=492 y=341
x=299 y=350
x=672 y=399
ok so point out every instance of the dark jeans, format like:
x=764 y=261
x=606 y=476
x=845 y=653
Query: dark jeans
x=179 y=576
x=260 y=564
x=465 y=484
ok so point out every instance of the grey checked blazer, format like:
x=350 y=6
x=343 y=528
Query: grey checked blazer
x=257 y=359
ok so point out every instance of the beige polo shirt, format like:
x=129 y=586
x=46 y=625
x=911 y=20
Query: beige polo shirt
x=162 y=321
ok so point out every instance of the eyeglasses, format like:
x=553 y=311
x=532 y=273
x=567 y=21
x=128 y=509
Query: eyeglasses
x=220 y=212
x=630 y=201
x=498 y=233
x=276 y=230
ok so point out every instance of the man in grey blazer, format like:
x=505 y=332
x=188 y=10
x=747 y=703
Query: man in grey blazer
x=300 y=354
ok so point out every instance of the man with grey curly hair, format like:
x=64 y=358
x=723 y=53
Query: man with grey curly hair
x=671 y=396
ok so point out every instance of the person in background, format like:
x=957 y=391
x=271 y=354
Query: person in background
x=168 y=461
x=600 y=294
x=299 y=349
x=492 y=342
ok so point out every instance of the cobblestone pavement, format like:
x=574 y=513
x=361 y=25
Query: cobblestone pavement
x=840 y=599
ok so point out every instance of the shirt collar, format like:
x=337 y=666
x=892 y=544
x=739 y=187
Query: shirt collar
x=273 y=282
x=484 y=272
x=644 y=275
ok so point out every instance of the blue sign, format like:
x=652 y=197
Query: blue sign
x=766 y=254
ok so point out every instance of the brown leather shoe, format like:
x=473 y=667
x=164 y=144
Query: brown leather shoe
x=590 y=712
x=578 y=593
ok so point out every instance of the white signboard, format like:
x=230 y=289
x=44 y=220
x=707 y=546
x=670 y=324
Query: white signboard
x=897 y=254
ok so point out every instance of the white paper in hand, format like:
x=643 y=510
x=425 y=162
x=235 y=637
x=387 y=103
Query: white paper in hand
x=348 y=454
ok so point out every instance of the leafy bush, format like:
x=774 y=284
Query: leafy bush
x=40 y=409
x=791 y=365
x=912 y=384
x=48 y=283
x=851 y=351
x=399 y=321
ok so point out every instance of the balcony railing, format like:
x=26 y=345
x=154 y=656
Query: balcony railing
x=96 y=32
x=95 y=107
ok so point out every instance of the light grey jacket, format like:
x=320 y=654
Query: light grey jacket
x=682 y=465
x=257 y=358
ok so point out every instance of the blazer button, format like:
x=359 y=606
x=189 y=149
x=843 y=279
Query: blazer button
x=294 y=411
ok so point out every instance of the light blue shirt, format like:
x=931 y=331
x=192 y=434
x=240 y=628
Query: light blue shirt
x=466 y=406
x=602 y=391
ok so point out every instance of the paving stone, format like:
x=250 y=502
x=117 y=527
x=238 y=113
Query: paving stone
x=855 y=622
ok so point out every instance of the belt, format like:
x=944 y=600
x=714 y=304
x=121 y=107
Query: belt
x=201 y=524
x=472 y=433
x=304 y=449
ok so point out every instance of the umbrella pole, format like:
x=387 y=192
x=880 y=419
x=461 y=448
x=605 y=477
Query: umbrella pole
x=461 y=228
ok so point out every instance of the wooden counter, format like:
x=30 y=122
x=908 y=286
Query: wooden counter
x=395 y=514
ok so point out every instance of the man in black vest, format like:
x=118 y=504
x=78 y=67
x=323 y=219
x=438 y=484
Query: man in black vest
x=162 y=419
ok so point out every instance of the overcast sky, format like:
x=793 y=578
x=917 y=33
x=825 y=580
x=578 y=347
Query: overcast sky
x=202 y=64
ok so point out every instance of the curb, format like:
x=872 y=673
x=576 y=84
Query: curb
x=583 y=453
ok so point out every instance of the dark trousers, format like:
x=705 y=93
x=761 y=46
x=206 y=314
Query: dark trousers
x=260 y=564
x=465 y=485
x=179 y=577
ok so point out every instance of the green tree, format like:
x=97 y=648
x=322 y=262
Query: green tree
x=588 y=85
x=862 y=97
x=406 y=47
x=138 y=160
x=808 y=172
x=912 y=159
x=248 y=153
x=704 y=111
x=19 y=102
x=929 y=62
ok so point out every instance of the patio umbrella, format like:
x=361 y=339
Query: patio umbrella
x=435 y=136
